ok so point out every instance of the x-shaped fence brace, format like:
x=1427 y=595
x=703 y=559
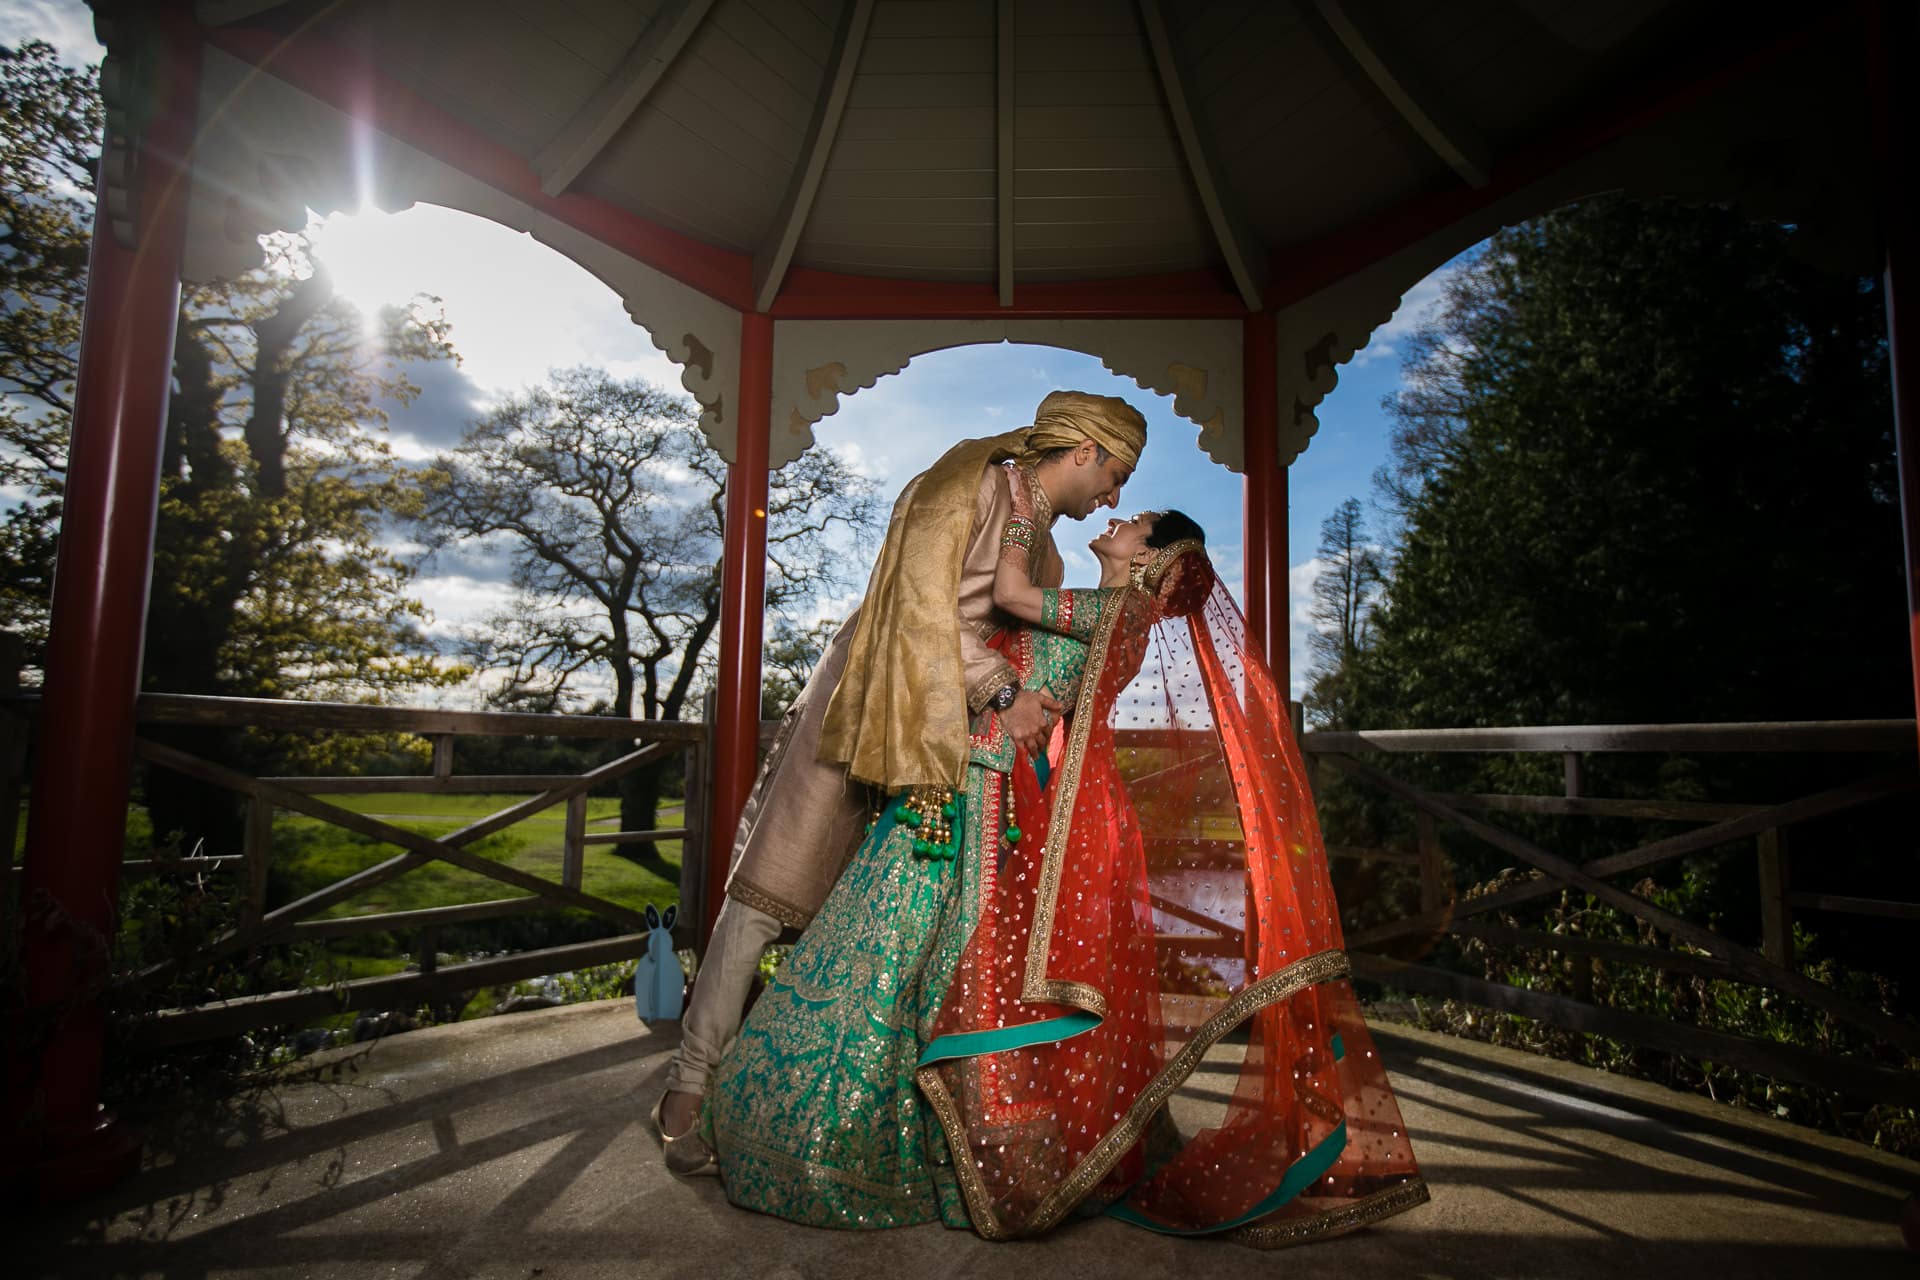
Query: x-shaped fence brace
x=420 y=849
x=1740 y=962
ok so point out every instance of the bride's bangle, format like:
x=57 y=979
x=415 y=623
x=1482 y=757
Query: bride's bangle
x=1019 y=533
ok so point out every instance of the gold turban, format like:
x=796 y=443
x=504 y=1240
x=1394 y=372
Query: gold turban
x=899 y=715
x=1065 y=418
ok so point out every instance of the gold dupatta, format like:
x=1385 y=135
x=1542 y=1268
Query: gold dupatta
x=899 y=715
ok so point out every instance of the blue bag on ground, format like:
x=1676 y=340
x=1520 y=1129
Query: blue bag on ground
x=658 y=983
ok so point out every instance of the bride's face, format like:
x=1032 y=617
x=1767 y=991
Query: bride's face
x=1124 y=539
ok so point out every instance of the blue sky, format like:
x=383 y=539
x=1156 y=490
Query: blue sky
x=491 y=279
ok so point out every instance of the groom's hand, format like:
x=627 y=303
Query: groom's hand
x=1031 y=718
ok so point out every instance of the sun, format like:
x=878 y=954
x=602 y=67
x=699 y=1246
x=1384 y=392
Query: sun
x=517 y=308
x=375 y=258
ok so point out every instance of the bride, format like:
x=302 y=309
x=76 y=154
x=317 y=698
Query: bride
x=987 y=1019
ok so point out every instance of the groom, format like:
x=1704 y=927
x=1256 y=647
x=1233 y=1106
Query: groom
x=888 y=704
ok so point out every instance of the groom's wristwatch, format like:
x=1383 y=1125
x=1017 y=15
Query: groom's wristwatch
x=1004 y=699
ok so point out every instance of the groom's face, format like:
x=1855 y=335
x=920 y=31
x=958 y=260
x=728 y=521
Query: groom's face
x=1095 y=482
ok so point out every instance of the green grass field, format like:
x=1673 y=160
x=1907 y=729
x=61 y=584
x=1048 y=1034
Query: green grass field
x=310 y=854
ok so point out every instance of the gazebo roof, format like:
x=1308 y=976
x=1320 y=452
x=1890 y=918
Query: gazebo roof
x=1027 y=143
x=1010 y=164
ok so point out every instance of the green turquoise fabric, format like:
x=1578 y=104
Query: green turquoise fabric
x=969 y=1044
x=813 y=1110
x=1300 y=1175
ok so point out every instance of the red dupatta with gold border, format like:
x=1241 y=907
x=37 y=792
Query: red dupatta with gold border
x=1167 y=912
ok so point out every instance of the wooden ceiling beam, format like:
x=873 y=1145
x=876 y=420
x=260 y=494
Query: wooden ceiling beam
x=1003 y=145
x=592 y=127
x=1359 y=31
x=1245 y=257
x=776 y=254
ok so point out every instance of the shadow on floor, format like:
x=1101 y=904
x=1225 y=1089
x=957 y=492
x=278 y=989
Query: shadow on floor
x=529 y=1155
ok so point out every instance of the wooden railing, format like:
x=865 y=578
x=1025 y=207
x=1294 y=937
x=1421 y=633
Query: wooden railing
x=1691 y=948
x=258 y=923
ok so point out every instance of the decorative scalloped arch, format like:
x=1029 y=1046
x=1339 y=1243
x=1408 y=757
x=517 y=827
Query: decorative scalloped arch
x=269 y=153
x=1197 y=362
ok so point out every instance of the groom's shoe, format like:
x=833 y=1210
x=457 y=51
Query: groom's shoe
x=687 y=1155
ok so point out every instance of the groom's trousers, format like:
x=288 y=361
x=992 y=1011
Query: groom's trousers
x=800 y=825
x=713 y=1015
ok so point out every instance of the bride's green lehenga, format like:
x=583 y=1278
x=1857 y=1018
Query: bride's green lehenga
x=814 y=1111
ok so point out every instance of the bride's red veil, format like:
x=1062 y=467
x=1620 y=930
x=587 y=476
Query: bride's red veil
x=1166 y=920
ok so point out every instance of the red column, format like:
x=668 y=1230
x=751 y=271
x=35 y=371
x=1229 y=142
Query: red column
x=1892 y=64
x=743 y=605
x=76 y=824
x=1266 y=498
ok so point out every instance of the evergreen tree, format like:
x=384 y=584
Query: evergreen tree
x=1644 y=473
x=1645 y=470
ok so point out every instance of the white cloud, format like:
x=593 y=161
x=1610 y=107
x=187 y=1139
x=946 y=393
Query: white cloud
x=410 y=449
x=858 y=460
x=1300 y=623
x=67 y=25
x=457 y=601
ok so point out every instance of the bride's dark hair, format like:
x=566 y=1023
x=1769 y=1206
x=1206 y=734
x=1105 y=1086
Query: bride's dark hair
x=1171 y=526
x=1180 y=582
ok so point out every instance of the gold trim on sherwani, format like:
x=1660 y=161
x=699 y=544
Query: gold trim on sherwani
x=918 y=666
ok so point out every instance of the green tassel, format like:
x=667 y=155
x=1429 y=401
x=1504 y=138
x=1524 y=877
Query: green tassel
x=1013 y=835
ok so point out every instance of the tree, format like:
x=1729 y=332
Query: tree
x=1645 y=467
x=1344 y=593
x=50 y=124
x=1644 y=472
x=271 y=571
x=271 y=575
x=789 y=658
x=608 y=501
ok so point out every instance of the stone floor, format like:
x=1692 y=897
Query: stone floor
x=519 y=1147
